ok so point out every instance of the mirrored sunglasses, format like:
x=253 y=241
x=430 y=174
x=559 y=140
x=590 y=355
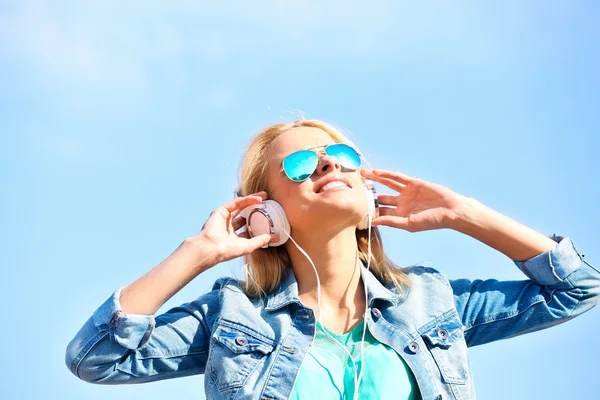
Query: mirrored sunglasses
x=300 y=165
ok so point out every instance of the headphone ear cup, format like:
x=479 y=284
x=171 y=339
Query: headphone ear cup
x=281 y=225
x=372 y=205
x=267 y=217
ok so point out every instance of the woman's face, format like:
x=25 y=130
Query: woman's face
x=311 y=203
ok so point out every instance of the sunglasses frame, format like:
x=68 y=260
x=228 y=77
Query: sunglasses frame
x=325 y=146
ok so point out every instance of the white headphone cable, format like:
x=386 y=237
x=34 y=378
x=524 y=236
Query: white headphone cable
x=362 y=342
x=319 y=310
x=356 y=383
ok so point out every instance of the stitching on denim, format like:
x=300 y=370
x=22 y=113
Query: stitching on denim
x=161 y=376
x=164 y=356
x=276 y=355
x=455 y=387
x=528 y=272
x=222 y=386
x=148 y=332
x=579 y=292
x=78 y=361
x=247 y=330
x=552 y=268
x=445 y=316
x=596 y=269
x=209 y=321
x=394 y=327
x=495 y=318
x=258 y=362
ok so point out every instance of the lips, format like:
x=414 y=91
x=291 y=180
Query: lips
x=331 y=182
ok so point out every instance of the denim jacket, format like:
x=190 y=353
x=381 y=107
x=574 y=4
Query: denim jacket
x=249 y=348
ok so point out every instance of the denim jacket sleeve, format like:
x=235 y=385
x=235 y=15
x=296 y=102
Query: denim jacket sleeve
x=561 y=286
x=116 y=348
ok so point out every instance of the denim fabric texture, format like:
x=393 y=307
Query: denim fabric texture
x=249 y=348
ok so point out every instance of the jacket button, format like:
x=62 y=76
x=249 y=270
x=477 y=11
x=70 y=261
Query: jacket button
x=376 y=312
x=442 y=333
x=413 y=347
x=303 y=313
x=241 y=341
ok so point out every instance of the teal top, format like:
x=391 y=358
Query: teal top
x=328 y=373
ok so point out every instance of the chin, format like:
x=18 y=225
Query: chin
x=350 y=201
x=343 y=209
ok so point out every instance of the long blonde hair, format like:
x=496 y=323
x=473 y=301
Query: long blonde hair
x=264 y=268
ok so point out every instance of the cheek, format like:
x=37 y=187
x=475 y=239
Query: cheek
x=296 y=203
x=359 y=198
x=289 y=194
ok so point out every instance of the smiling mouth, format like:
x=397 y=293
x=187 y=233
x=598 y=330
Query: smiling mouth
x=333 y=185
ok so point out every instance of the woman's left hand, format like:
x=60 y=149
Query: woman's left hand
x=419 y=206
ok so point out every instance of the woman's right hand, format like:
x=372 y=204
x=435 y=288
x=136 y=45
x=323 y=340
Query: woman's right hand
x=219 y=235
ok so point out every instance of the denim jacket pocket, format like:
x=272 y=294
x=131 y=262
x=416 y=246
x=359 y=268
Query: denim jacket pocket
x=235 y=352
x=445 y=341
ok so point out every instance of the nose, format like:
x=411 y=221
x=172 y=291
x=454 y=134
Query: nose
x=327 y=164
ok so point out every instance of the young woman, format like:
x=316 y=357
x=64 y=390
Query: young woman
x=322 y=313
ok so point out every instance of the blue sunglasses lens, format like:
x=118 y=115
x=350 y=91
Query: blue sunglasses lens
x=300 y=165
x=346 y=155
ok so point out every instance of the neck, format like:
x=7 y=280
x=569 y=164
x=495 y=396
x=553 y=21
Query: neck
x=335 y=257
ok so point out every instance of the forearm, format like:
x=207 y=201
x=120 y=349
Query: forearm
x=500 y=232
x=148 y=293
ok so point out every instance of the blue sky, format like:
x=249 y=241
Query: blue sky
x=122 y=126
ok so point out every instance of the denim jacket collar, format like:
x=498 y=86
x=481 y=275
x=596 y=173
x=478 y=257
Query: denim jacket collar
x=287 y=291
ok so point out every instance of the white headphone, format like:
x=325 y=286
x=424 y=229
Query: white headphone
x=269 y=217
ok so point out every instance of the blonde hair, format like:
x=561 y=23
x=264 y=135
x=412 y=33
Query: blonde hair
x=264 y=268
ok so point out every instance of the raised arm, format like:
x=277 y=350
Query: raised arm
x=125 y=342
x=561 y=284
